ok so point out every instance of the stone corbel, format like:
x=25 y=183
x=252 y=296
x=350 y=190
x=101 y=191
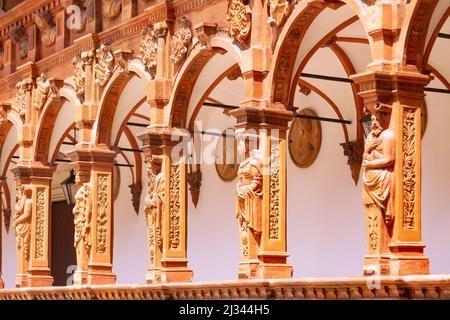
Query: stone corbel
x=136 y=191
x=354 y=151
x=204 y=33
x=19 y=36
x=45 y=88
x=194 y=179
x=46 y=25
x=122 y=57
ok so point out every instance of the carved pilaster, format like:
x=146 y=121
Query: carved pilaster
x=393 y=205
x=265 y=156
x=166 y=208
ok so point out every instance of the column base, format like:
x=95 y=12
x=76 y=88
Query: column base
x=100 y=275
x=80 y=278
x=248 y=269
x=175 y=270
x=40 y=281
x=153 y=276
x=21 y=280
x=273 y=265
x=377 y=265
x=408 y=259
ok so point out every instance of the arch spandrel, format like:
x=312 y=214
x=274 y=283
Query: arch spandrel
x=190 y=72
x=290 y=39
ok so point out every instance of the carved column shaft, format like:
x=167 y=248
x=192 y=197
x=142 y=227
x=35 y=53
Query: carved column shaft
x=395 y=248
x=102 y=224
x=174 y=263
x=34 y=271
x=272 y=245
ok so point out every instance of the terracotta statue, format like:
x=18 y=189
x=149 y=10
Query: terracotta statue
x=249 y=193
x=154 y=210
x=82 y=212
x=378 y=164
x=22 y=226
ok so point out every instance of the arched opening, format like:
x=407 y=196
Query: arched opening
x=318 y=50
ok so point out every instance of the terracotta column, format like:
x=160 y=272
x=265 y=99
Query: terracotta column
x=2 y=181
x=167 y=260
x=394 y=245
x=33 y=233
x=267 y=256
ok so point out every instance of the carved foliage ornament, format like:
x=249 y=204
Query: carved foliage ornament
x=239 y=14
x=181 y=40
x=279 y=11
x=23 y=87
x=112 y=8
x=40 y=223
x=19 y=36
x=103 y=182
x=274 y=214
x=175 y=206
x=409 y=167
x=104 y=65
x=46 y=25
x=148 y=48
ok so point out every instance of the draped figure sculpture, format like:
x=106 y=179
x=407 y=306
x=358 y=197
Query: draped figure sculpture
x=378 y=181
x=82 y=213
x=248 y=210
x=154 y=210
x=22 y=227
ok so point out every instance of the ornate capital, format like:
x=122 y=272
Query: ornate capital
x=160 y=29
x=239 y=14
x=204 y=32
x=46 y=25
x=181 y=40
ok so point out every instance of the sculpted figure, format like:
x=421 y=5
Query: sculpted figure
x=42 y=91
x=378 y=164
x=22 y=226
x=44 y=22
x=154 y=210
x=82 y=213
x=249 y=194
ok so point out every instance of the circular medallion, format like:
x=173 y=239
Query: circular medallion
x=305 y=138
x=226 y=159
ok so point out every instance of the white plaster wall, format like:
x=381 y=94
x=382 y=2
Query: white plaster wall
x=130 y=237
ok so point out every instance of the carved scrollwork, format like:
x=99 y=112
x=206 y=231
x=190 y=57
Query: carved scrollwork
x=19 y=36
x=46 y=25
x=112 y=8
x=239 y=14
x=104 y=66
x=409 y=167
x=148 y=49
x=279 y=11
x=78 y=76
x=181 y=40
x=103 y=181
